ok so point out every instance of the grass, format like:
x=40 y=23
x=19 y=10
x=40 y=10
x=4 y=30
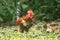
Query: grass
x=11 y=33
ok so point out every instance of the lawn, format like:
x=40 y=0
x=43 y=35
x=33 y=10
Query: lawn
x=11 y=33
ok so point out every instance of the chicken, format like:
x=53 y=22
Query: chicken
x=24 y=20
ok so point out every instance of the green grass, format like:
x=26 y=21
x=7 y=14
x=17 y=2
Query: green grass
x=11 y=33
